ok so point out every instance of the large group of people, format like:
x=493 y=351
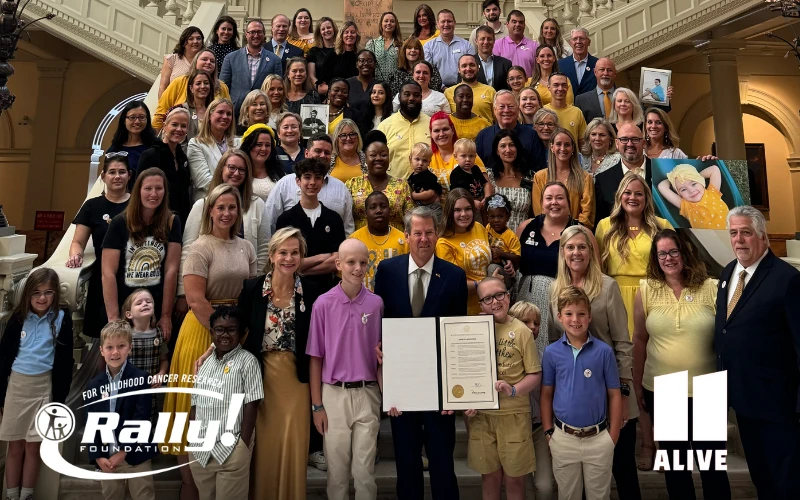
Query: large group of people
x=503 y=175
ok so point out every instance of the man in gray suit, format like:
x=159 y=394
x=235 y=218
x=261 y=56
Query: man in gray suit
x=597 y=102
x=245 y=69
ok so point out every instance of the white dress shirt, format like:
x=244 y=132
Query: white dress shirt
x=426 y=276
x=643 y=166
x=334 y=195
x=738 y=270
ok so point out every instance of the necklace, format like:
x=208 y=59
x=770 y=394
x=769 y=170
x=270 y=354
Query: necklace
x=633 y=228
x=599 y=161
x=384 y=240
x=334 y=115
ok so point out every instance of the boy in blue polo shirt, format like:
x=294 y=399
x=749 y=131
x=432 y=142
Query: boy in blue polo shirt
x=580 y=378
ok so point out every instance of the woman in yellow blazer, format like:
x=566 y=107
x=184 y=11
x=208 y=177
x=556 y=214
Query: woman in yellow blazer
x=579 y=265
x=175 y=93
x=563 y=166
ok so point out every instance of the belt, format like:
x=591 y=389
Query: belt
x=355 y=385
x=583 y=432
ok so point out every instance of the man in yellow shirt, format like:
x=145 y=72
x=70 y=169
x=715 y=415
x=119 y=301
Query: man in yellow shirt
x=406 y=128
x=569 y=117
x=482 y=95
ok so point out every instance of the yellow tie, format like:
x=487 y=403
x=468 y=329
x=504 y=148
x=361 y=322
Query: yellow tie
x=607 y=103
x=737 y=294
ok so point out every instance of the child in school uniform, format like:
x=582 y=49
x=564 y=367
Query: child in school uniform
x=35 y=369
x=500 y=445
x=149 y=351
x=580 y=381
x=425 y=187
x=345 y=397
x=467 y=175
x=506 y=249
x=224 y=472
x=115 y=345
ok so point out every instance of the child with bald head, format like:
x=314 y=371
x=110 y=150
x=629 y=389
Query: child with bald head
x=345 y=397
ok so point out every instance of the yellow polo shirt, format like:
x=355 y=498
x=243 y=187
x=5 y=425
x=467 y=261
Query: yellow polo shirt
x=570 y=118
x=401 y=136
x=482 y=99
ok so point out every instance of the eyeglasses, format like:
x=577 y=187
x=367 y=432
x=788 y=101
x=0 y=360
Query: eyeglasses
x=137 y=118
x=230 y=331
x=255 y=32
x=632 y=140
x=365 y=61
x=545 y=124
x=515 y=79
x=349 y=135
x=674 y=253
x=46 y=293
x=233 y=169
x=498 y=297
x=115 y=154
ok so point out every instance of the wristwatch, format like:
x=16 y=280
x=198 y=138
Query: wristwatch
x=549 y=432
x=316 y=408
x=625 y=389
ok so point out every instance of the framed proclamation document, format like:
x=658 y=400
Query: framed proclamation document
x=439 y=364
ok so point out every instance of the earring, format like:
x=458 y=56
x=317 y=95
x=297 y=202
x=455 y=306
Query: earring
x=666 y=137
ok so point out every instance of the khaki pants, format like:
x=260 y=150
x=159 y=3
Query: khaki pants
x=230 y=479
x=582 y=464
x=544 y=484
x=141 y=488
x=351 y=441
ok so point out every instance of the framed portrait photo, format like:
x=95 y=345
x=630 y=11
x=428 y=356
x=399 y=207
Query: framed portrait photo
x=315 y=119
x=653 y=86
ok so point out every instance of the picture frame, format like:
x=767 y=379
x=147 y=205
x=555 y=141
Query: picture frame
x=653 y=85
x=314 y=119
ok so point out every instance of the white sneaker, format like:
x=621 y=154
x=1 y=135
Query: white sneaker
x=317 y=459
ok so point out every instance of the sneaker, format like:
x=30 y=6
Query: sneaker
x=317 y=459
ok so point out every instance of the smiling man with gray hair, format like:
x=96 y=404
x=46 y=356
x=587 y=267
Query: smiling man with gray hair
x=579 y=67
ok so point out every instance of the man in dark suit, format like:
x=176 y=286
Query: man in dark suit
x=757 y=340
x=492 y=70
x=579 y=67
x=420 y=284
x=630 y=144
x=506 y=115
x=278 y=45
x=240 y=71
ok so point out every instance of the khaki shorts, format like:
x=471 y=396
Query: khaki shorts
x=497 y=441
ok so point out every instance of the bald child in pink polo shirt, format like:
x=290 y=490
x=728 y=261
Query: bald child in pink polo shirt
x=345 y=397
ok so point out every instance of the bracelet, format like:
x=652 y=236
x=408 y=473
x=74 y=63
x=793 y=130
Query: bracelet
x=513 y=391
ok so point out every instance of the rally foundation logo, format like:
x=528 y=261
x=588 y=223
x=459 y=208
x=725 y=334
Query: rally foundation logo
x=56 y=422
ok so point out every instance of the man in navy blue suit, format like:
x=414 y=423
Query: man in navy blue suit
x=757 y=340
x=246 y=69
x=278 y=45
x=420 y=284
x=579 y=67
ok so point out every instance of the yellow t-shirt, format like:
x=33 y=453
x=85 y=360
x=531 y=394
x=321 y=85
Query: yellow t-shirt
x=345 y=172
x=332 y=125
x=482 y=99
x=380 y=248
x=401 y=136
x=506 y=242
x=517 y=356
x=570 y=118
x=442 y=169
x=433 y=35
x=708 y=213
x=471 y=252
x=469 y=129
x=547 y=97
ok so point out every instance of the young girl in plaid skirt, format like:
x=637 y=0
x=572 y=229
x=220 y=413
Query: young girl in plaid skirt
x=149 y=350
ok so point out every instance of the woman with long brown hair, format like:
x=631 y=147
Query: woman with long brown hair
x=180 y=61
x=661 y=136
x=425 y=24
x=550 y=34
x=386 y=45
x=546 y=65
x=142 y=249
x=301 y=33
x=318 y=55
x=408 y=56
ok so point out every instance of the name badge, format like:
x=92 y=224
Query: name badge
x=283 y=157
x=456 y=51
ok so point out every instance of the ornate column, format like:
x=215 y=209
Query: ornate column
x=725 y=96
x=41 y=170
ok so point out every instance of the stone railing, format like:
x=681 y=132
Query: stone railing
x=124 y=34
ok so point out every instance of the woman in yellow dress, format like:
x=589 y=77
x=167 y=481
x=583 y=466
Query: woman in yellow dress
x=626 y=236
x=464 y=242
x=443 y=139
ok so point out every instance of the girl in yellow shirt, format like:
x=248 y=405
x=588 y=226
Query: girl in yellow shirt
x=464 y=243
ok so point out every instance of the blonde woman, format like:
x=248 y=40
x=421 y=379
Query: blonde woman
x=318 y=55
x=386 y=46
x=563 y=166
x=529 y=103
x=599 y=147
x=579 y=265
x=348 y=159
x=626 y=236
x=213 y=272
x=208 y=146
x=276 y=95
x=660 y=135
x=255 y=109
x=343 y=62
x=626 y=109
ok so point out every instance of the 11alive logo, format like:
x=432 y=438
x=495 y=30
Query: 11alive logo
x=55 y=423
x=709 y=419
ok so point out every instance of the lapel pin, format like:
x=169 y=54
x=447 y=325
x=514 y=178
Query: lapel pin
x=438 y=275
x=156 y=342
x=23 y=334
x=723 y=284
x=327 y=229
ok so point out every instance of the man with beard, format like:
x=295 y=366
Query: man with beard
x=493 y=70
x=630 y=144
x=491 y=16
x=482 y=95
x=506 y=112
x=520 y=49
x=405 y=128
